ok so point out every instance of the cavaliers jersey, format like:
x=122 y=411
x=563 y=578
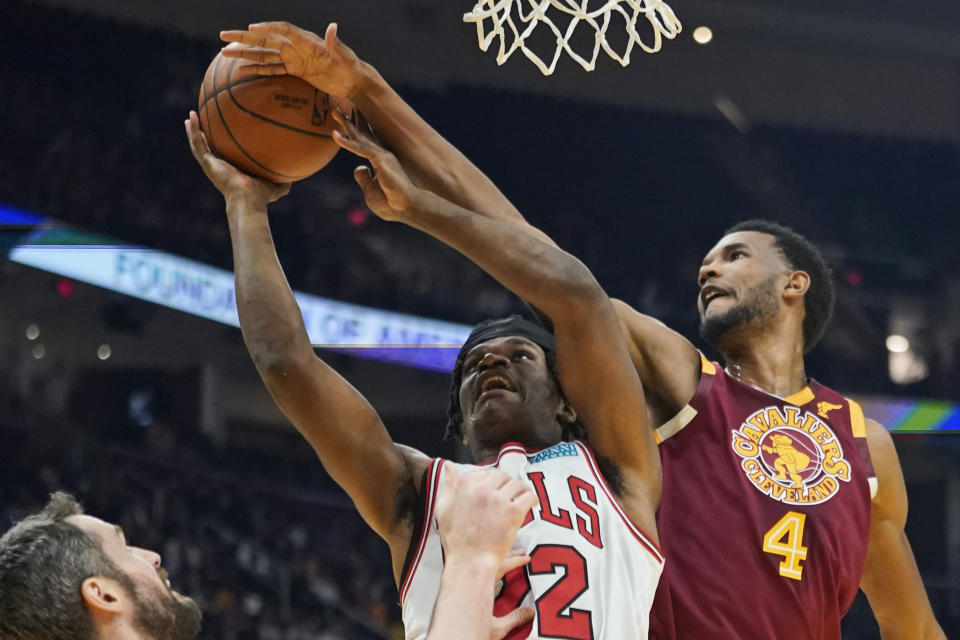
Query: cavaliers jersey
x=592 y=573
x=765 y=514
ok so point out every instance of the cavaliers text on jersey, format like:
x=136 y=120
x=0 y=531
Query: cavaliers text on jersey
x=765 y=514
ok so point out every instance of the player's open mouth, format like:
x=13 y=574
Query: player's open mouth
x=494 y=382
x=710 y=293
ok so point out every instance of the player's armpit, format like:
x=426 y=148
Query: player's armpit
x=417 y=462
x=668 y=365
x=891 y=580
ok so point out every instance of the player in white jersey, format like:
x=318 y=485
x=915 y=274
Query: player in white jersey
x=508 y=389
x=475 y=557
x=592 y=572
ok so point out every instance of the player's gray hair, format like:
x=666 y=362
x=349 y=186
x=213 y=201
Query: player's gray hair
x=43 y=562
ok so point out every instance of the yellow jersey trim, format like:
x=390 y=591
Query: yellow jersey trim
x=707 y=367
x=800 y=398
x=857 y=421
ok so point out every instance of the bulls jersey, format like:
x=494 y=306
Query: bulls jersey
x=592 y=573
x=765 y=514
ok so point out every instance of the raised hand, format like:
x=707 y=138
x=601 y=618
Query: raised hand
x=229 y=180
x=278 y=48
x=388 y=190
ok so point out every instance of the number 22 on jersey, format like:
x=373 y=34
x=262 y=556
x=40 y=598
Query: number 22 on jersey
x=786 y=539
x=571 y=567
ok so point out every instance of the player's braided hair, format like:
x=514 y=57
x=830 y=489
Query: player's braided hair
x=454 y=429
x=800 y=254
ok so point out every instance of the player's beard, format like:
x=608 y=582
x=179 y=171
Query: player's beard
x=165 y=615
x=758 y=304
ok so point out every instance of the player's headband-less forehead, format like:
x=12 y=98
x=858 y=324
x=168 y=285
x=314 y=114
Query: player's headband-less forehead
x=512 y=326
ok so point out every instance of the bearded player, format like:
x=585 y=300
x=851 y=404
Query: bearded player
x=66 y=575
x=592 y=571
x=752 y=555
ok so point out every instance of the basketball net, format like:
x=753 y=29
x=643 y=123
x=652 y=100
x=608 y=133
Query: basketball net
x=509 y=21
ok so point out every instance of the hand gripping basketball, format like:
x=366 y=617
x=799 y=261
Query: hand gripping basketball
x=229 y=180
x=278 y=48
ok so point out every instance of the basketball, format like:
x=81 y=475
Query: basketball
x=275 y=127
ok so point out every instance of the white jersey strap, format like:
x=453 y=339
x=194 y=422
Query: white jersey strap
x=428 y=493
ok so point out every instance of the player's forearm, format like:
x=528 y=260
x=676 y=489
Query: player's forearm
x=434 y=163
x=270 y=318
x=465 y=603
x=544 y=275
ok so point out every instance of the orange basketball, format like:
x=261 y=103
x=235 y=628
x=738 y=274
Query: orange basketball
x=275 y=127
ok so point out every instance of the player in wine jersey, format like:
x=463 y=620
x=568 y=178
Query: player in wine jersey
x=593 y=571
x=769 y=315
x=780 y=498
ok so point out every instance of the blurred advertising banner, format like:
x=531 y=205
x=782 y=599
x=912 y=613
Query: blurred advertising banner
x=208 y=292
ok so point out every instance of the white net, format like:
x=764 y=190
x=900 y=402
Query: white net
x=513 y=22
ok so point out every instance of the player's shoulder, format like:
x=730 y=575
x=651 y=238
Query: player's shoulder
x=880 y=443
x=890 y=494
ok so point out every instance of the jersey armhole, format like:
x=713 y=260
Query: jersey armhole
x=636 y=531
x=858 y=425
x=423 y=519
x=673 y=426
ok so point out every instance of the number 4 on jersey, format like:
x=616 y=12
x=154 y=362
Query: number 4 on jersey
x=786 y=539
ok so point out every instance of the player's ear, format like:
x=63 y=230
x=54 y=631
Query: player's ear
x=798 y=283
x=102 y=596
x=566 y=413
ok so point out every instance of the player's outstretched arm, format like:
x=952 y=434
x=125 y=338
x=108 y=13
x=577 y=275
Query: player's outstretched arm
x=667 y=363
x=891 y=579
x=594 y=364
x=328 y=64
x=478 y=516
x=336 y=420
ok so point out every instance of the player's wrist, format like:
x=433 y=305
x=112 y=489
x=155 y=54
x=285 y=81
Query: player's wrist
x=469 y=562
x=366 y=82
x=422 y=205
x=245 y=202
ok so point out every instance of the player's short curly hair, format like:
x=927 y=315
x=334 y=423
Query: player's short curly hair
x=454 y=429
x=800 y=254
x=43 y=562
